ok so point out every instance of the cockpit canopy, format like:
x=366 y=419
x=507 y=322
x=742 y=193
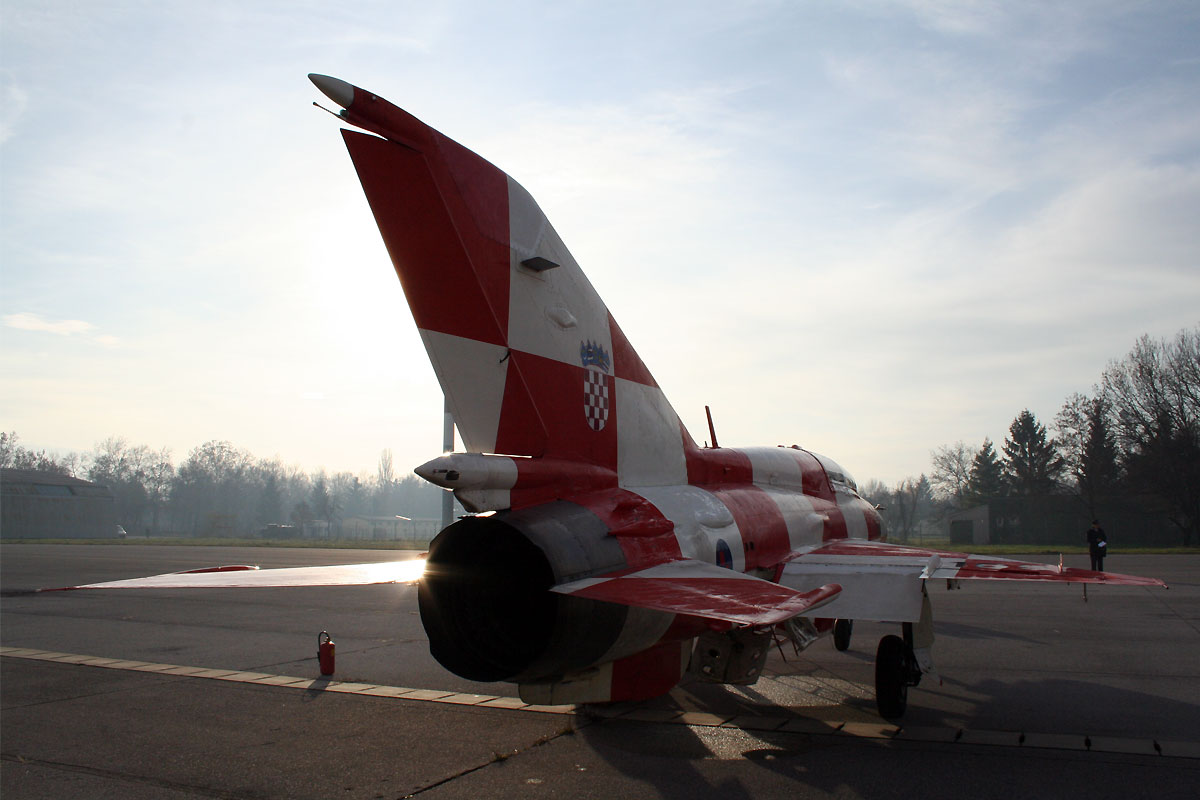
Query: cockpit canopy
x=839 y=477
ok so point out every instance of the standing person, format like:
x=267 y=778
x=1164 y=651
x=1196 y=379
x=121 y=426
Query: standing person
x=1097 y=545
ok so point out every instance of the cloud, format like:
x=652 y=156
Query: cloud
x=34 y=322
x=26 y=321
x=13 y=103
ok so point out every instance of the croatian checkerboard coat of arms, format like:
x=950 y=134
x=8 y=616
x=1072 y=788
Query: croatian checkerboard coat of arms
x=596 y=383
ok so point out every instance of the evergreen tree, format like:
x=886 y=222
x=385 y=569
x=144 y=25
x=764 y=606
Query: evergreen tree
x=1098 y=472
x=325 y=504
x=986 y=480
x=1031 y=462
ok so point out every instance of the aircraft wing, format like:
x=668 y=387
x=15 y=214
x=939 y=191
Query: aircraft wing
x=245 y=577
x=687 y=586
x=883 y=581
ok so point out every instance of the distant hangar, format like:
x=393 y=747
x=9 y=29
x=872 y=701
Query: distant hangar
x=43 y=505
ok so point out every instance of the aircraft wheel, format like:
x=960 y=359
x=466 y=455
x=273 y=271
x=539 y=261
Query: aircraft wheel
x=841 y=633
x=891 y=677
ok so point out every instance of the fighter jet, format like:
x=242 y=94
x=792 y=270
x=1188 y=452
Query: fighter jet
x=606 y=555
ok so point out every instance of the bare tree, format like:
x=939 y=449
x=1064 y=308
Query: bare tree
x=1154 y=394
x=349 y=494
x=908 y=500
x=875 y=491
x=8 y=448
x=1088 y=450
x=385 y=474
x=126 y=470
x=159 y=475
x=1070 y=429
x=71 y=464
x=14 y=456
x=211 y=489
x=951 y=471
x=325 y=504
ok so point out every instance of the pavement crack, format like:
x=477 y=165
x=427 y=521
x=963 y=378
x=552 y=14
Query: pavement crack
x=496 y=758
x=73 y=697
x=158 y=783
x=1174 y=612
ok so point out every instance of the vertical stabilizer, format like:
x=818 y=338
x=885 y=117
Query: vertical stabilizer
x=527 y=353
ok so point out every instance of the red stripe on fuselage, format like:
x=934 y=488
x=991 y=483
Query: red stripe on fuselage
x=835 y=523
x=646 y=536
x=760 y=522
x=812 y=474
x=716 y=466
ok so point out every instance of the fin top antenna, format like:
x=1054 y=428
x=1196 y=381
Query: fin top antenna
x=327 y=111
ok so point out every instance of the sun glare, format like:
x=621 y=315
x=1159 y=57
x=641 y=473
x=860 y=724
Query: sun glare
x=409 y=571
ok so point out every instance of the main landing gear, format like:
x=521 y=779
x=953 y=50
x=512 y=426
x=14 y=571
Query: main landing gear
x=842 y=628
x=896 y=669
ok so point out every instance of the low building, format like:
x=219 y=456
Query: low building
x=1047 y=520
x=395 y=528
x=43 y=505
x=970 y=526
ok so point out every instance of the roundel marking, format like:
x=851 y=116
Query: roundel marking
x=724 y=555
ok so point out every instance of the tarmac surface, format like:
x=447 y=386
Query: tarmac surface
x=216 y=694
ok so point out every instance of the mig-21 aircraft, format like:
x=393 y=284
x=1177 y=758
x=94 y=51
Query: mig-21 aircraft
x=606 y=553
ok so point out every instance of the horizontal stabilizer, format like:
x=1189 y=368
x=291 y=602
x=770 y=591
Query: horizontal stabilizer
x=883 y=582
x=698 y=589
x=872 y=556
x=244 y=577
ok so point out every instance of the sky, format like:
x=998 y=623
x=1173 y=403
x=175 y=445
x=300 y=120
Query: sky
x=867 y=228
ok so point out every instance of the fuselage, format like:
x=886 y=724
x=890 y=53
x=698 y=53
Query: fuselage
x=742 y=508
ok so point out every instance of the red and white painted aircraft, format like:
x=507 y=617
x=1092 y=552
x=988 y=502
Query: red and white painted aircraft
x=606 y=554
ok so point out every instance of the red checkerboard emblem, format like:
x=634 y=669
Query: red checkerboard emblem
x=595 y=399
x=597 y=362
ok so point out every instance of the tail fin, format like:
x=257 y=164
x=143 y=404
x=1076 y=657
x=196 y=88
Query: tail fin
x=527 y=353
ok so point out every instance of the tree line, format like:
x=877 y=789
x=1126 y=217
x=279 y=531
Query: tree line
x=1132 y=443
x=222 y=490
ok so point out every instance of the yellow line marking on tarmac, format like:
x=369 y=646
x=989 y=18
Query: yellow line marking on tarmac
x=636 y=713
x=386 y=691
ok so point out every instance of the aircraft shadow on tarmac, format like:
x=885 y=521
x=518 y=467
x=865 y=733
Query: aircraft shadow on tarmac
x=957 y=630
x=1082 y=707
x=678 y=760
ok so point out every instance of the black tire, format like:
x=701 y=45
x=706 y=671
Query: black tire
x=842 y=628
x=891 y=677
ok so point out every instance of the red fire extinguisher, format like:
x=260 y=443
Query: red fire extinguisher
x=325 y=652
